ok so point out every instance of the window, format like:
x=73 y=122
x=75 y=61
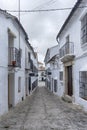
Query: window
x=61 y=75
x=20 y=51
x=29 y=57
x=19 y=84
x=83 y=84
x=55 y=85
x=42 y=73
x=84 y=29
x=67 y=39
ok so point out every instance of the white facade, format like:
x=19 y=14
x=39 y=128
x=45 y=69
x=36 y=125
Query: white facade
x=41 y=72
x=76 y=57
x=27 y=68
x=31 y=67
x=55 y=75
x=52 y=69
x=13 y=62
x=34 y=79
x=9 y=93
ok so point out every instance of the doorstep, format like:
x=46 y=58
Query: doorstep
x=67 y=98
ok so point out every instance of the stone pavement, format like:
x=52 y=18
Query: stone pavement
x=44 y=111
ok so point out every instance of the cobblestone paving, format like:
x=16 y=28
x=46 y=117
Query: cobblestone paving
x=44 y=111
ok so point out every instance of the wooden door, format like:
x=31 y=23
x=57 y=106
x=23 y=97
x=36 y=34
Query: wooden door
x=8 y=91
x=69 y=77
x=29 y=84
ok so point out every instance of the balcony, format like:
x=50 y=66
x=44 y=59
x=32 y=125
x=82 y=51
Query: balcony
x=14 y=57
x=67 y=52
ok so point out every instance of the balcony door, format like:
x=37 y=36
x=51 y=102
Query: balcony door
x=69 y=81
x=26 y=86
x=29 y=84
x=10 y=45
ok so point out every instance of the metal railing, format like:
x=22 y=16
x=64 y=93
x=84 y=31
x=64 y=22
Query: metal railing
x=67 y=48
x=14 y=57
x=35 y=84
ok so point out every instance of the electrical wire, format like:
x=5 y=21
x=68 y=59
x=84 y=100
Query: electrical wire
x=45 y=4
x=44 y=10
x=40 y=6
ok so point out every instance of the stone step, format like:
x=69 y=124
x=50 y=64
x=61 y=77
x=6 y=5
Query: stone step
x=67 y=98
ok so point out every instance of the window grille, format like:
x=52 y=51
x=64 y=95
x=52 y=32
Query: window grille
x=55 y=85
x=83 y=84
x=84 y=29
x=61 y=75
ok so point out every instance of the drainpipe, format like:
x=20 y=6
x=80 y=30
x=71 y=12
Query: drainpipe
x=19 y=20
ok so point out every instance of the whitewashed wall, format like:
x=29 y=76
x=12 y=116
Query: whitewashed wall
x=73 y=28
x=3 y=66
x=5 y=24
x=53 y=51
x=21 y=71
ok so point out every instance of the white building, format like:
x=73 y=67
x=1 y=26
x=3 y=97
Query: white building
x=12 y=67
x=52 y=68
x=41 y=72
x=13 y=61
x=72 y=40
x=31 y=67
x=33 y=76
x=27 y=68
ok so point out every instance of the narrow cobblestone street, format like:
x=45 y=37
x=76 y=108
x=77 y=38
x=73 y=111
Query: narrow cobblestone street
x=44 y=111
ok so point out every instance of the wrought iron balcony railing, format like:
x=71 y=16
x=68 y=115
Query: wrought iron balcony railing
x=14 y=57
x=68 y=48
x=35 y=84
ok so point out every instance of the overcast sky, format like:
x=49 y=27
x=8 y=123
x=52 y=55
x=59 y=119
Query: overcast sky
x=41 y=27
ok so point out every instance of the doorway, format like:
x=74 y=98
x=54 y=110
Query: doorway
x=29 y=84
x=69 y=81
x=10 y=90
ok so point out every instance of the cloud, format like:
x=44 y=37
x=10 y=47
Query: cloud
x=40 y=58
x=43 y=27
x=8 y=4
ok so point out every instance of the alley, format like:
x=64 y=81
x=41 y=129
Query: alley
x=44 y=111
